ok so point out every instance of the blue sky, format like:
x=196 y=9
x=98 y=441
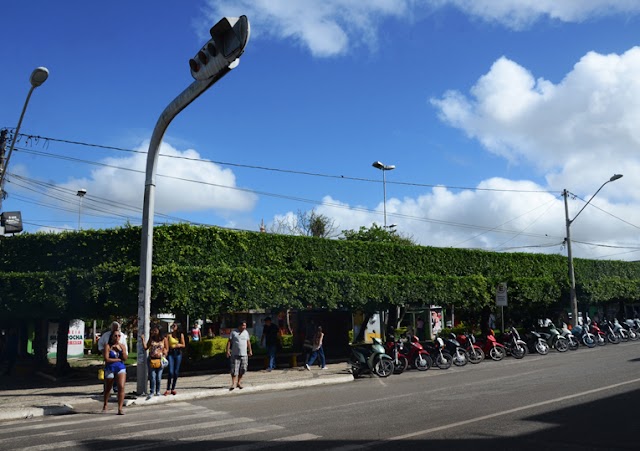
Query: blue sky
x=487 y=109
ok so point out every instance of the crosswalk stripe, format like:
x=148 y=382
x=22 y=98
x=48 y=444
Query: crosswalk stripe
x=135 y=435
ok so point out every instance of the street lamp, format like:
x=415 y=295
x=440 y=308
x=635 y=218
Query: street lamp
x=384 y=168
x=572 y=276
x=217 y=57
x=38 y=77
x=80 y=194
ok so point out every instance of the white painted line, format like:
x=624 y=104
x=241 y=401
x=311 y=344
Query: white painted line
x=296 y=438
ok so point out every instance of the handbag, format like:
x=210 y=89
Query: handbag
x=164 y=361
x=155 y=363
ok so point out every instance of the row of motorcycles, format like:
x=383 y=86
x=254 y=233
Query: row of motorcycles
x=399 y=354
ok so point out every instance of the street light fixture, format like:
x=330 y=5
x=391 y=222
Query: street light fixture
x=572 y=277
x=217 y=57
x=81 y=193
x=384 y=168
x=38 y=77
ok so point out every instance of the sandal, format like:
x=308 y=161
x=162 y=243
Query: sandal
x=120 y=412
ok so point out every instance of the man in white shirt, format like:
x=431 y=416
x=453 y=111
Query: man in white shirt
x=239 y=351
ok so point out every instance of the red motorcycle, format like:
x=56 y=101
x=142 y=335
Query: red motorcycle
x=598 y=333
x=492 y=348
x=410 y=352
x=468 y=343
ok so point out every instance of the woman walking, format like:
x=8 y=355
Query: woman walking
x=157 y=346
x=176 y=343
x=114 y=370
x=317 y=350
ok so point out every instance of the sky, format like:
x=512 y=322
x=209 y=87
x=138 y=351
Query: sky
x=488 y=111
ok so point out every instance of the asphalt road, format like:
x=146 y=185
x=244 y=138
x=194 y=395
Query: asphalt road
x=586 y=399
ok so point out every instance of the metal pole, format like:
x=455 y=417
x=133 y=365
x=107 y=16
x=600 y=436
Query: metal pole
x=384 y=196
x=573 y=301
x=79 y=210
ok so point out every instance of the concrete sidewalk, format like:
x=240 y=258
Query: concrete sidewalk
x=33 y=396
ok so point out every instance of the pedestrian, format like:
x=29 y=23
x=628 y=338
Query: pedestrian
x=176 y=343
x=420 y=328
x=195 y=332
x=157 y=346
x=270 y=338
x=239 y=351
x=317 y=350
x=115 y=355
x=104 y=339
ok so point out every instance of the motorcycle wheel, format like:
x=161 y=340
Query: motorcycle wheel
x=562 y=345
x=444 y=360
x=497 y=353
x=600 y=341
x=518 y=351
x=476 y=355
x=623 y=335
x=460 y=358
x=613 y=338
x=590 y=341
x=383 y=367
x=573 y=345
x=422 y=362
x=542 y=347
x=633 y=335
x=401 y=366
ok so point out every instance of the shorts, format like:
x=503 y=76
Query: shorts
x=110 y=374
x=239 y=365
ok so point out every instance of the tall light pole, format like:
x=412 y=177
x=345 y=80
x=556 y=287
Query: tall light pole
x=38 y=77
x=572 y=276
x=384 y=168
x=80 y=194
x=216 y=59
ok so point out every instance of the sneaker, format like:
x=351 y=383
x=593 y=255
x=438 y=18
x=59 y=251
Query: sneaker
x=158 y=394
x=173 y=392
x=149 y=396
x=268 y=370
x=324 y=368
x=306 y=367
x=166 y=393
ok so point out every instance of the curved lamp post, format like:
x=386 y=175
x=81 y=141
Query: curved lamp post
x=216 y=59
x=38 y=77
x=572 y=276
x=384 y=168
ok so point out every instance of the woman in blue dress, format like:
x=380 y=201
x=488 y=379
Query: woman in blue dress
x=114 y=370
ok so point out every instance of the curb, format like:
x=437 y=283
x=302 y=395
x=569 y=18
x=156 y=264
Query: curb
x=25 y=413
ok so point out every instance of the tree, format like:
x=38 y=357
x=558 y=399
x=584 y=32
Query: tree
x=377 y=234
x=305 y=223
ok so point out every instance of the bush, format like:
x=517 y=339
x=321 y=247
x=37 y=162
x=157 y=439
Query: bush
x=207 y=347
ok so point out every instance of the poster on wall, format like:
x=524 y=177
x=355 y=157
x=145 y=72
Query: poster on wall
x=75 y=343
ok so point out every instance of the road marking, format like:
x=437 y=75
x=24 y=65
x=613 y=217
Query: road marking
x=272 y=443
x=514 y=410
x=484 y=417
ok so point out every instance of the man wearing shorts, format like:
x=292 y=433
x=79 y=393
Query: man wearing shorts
x=239 y=351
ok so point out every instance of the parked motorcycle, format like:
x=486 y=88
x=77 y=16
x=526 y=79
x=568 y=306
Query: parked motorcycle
x=394 y=350
x=536 y=343
x=468 y=343
x=513 y=344
x=621 y=332
x=492 y=348
x=553 y=337
x=632 y=330
x=452 y=346
x=441 y=358
x=598 y=333
x=573 y=341
x=411 y=351
x=583 y=334
x=371 y=360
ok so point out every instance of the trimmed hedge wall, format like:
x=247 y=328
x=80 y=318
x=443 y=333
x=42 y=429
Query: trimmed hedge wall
x=203 y=269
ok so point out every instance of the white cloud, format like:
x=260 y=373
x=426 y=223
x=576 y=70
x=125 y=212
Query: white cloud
x=329 y=28
x=192 y=186
x=577 y=131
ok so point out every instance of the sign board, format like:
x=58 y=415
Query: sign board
x=501 y=295
x=75 y=343
x=11 y=221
